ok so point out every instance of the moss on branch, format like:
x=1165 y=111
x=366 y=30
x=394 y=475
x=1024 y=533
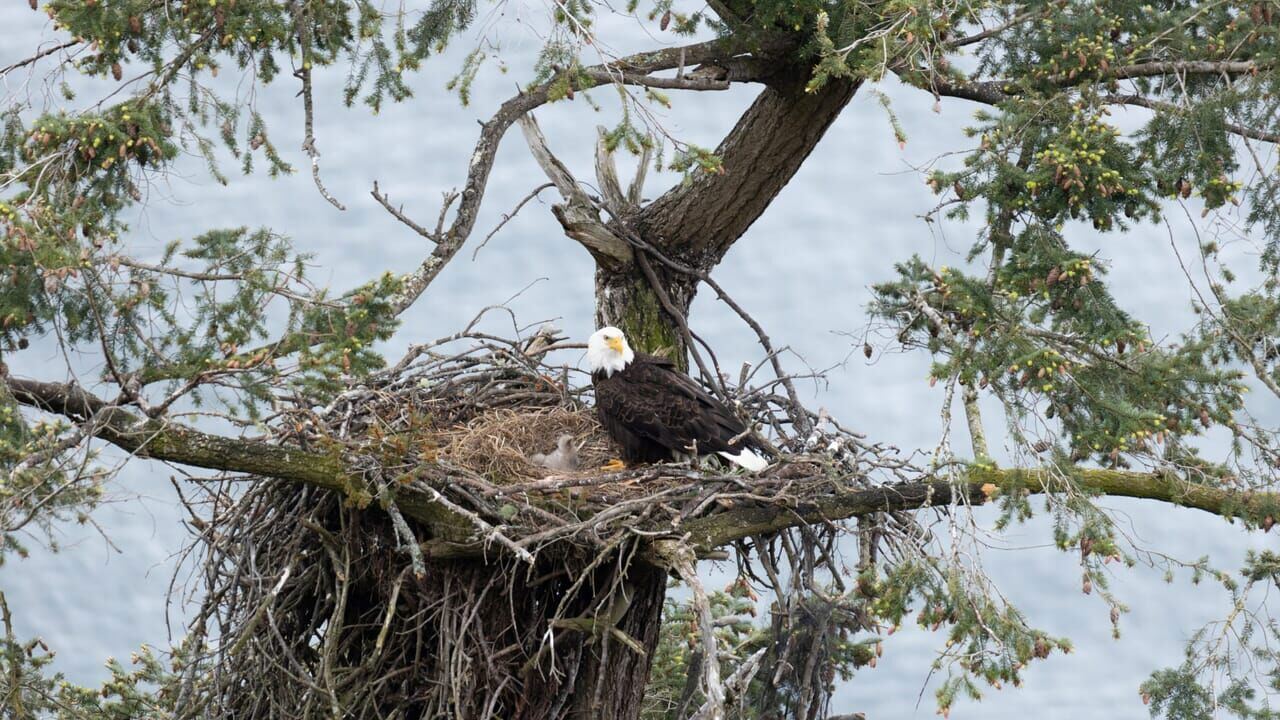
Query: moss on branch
x=177 y=443
x=981 y=485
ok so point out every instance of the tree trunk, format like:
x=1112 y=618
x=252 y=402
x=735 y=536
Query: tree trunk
x=626 y=299
x=701 y=220
x=695 y=224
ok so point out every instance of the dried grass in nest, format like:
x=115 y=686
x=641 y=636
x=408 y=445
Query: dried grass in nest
x=500 y=444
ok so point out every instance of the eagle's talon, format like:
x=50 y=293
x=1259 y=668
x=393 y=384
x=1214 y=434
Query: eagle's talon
x=613 y=465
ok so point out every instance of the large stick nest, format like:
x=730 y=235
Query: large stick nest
x=316 y=605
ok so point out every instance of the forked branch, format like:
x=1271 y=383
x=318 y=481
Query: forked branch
x=578 y=214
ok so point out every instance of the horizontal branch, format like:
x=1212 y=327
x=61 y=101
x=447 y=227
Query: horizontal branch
x=454 y=535
x=981 y=485
x=999 y=89
x=1185 y=67
x=177 y=443
x=174 y=442
x=992 y=92
x=661 y=83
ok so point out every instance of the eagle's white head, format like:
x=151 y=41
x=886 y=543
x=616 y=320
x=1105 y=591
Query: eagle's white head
x=607 y=350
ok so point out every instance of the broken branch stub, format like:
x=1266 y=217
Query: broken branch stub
x=578 y=214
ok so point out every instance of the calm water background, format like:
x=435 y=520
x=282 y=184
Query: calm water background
x=803 y=270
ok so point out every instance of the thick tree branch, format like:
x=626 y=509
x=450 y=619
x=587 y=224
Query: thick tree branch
x=177 y=443
x=183 y=445
x=993 y=91
x=687 y=82
x=760 y=156
x=1182 y=67
x=706 y=534
x=981 y=485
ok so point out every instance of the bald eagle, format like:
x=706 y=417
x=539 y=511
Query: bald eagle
x=657 y=413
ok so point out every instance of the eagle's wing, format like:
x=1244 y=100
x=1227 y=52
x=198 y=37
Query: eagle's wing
x=670 y=408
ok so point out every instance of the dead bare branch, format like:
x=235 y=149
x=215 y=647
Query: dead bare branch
x=578 y=214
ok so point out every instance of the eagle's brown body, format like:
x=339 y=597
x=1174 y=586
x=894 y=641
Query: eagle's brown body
x=653 y=411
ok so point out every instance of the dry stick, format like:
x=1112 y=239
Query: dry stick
x=334 y=632
x=403 y=531
x=506 y=217
x=740 y=680
x=386 y=620
x=38 y=56
x=398 y=213
x=683 y=562
x=490 y=532
x=308 y=112
x=247 y=632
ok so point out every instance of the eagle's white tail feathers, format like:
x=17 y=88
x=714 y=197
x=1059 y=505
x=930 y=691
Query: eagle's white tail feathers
x=746 y=459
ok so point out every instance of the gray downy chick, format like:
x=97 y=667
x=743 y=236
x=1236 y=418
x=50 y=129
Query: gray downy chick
x=563 y=459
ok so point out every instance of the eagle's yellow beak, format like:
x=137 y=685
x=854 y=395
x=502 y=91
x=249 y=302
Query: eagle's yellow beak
x=614 y=343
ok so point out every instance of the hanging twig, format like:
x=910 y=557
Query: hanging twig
x=303 y=73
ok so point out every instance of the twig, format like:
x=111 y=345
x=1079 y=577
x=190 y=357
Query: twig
x=303 y=19
x=410 y=543
x=398 y=213
x=39 y=56
x=506 y=217
x=489 y=532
